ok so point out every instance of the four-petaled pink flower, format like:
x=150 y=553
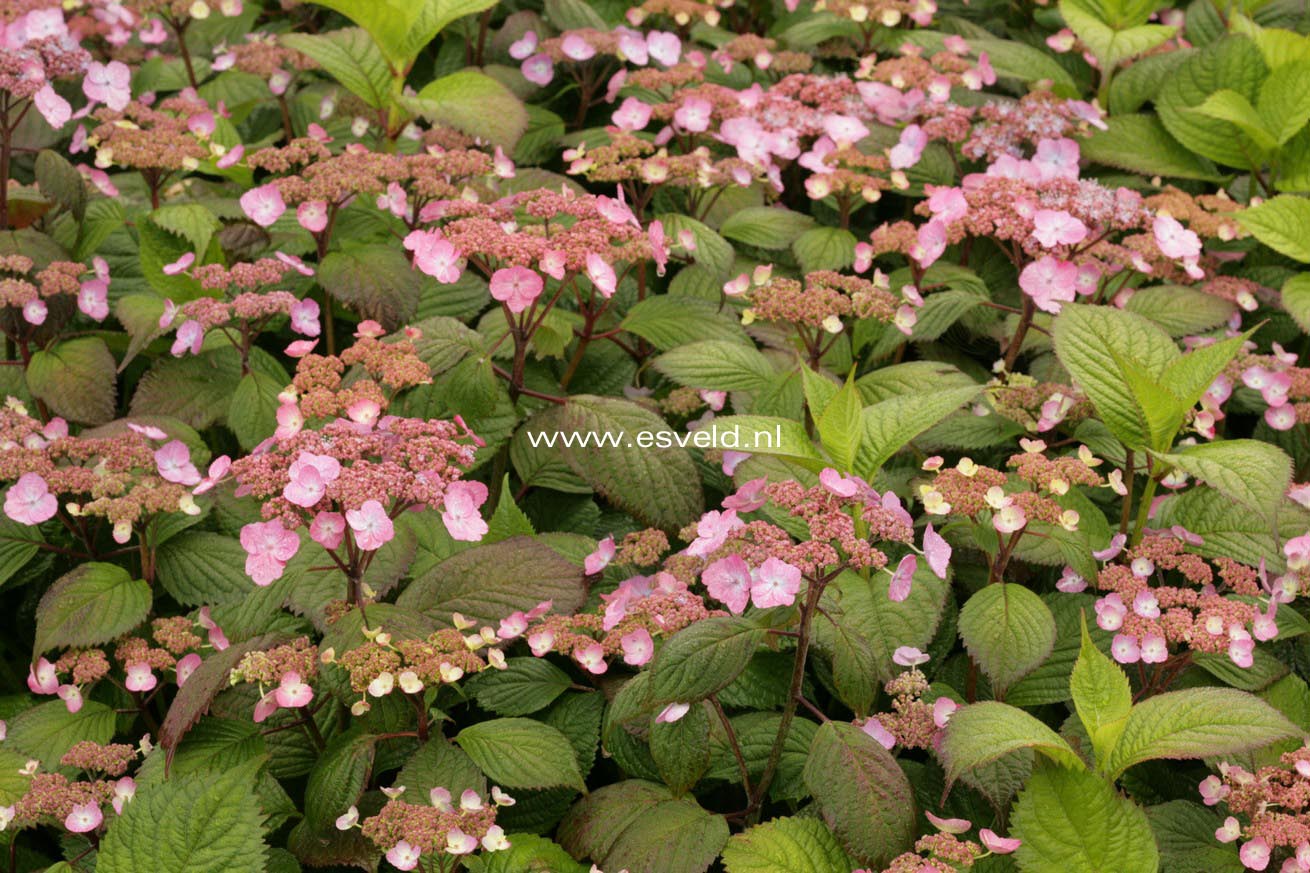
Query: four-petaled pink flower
x=461 y=517
x=292 y=693
x=1255 y=854
x=140 y=677
x=728 y=580
x=268 y=547
x=638 y=647
x=435 y=255
x=1174 y=240
x=173 y=461
x=84 y=818
x=1050 y=282
x=403 y=856
x=263 y=205
x=599 y=559
x=110 y=84
x=372 y=526
x=29 y=501
x=1055 y=227
x=591 y=658
x=516 y=287
x=775 y=583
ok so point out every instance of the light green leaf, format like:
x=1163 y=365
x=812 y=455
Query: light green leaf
x=1112 y=41
x=197 y=823
x=1140 y=143
x=1232 y=63
x=351 y=57
x=1075 y=822
x=668 y=321
x=786 y=845
x=1008 y=630
x=252 y=416
x=718 y=365
x=766 y=227
x=1091 y=341
x=980 y=733
x=1101 y=695
x=1228 y=105
x=825 y=248
x=681 y=749
x=1249 y=471
x=1285 y=101
x=840 y=425
x=1282 y=223
x=89 y=605
x=766 y=435
x=861 y=793
x=401 y=28
x=48 y=730
x=1296 y=299
x=475 y=104
x=890 y=425
x=521 y=753
x=1197 y=723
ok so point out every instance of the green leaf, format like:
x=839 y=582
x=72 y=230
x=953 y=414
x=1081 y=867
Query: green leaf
x=668 y=321
x=351 y=57
x=61 y=182
x=48 y=730
x=1092 y=341
x=198 y=823
x=1140 y=143
x=1191 y=376
x=521 y=753
x=401 y=28
x=718 y=365
x=1010 y=59
x=527 y=853
x=702 y=659
x=89 y=605
x=488 y=582
x=194 y=223
x=681 y=749
x=1008 y=630
x=659 y=486
x=1282 y=223
x=1139 y=83
x=440 y=763
x=1197 y=723
x=1180 y=310
x=1251 y=472
x=1296 y=299
x=766 y=227
x=824 y=248
x=1075 y=822
x=861 y=793
x=863 y=607
x=1184 y=832
x=252 y=416
x=840 y=425
x=1113 y=42
x=786 y=845
x=983 y=732
x=1228 y=105
x=76 y=379
x=1101 y=696
x=1243 y=536
x=475 y=104
x=712 y=251
x=374 y=281
x=890 y=425
x=339 y=777
x=637 y=826
x=1285 y=101
x=525 y=686
x=1232 y=63
x=767 y=435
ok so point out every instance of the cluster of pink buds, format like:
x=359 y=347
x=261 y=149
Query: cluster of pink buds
x=77 y=805
x=382 y=664
x=408 y=832
x=1149 y=612
x=974 y=491
x=47 y=294
x=912 y=722
x=1269 y=811
x=282 y=675
x=946 y=851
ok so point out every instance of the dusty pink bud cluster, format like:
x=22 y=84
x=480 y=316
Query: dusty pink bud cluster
x=1268 y=811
